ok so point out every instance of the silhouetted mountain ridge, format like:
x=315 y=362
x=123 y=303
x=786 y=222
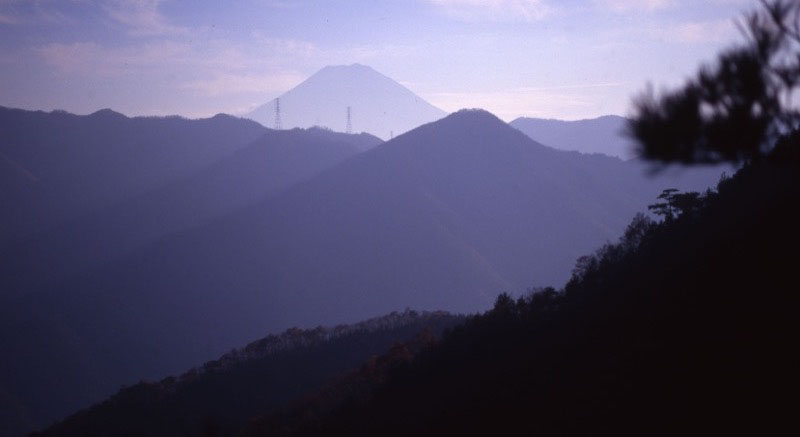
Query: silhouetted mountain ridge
x=64 y=166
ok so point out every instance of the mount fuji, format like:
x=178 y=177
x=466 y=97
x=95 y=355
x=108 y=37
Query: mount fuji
x=378 y=104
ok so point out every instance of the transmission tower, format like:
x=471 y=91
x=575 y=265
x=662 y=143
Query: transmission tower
x=349 y=128
x=278 y=114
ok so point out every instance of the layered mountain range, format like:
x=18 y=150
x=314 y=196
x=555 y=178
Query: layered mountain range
x=295 y=228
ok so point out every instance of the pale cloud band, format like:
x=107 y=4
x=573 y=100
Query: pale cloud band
x=703 y=31
x=634 y=5
x=494 y=10
x=142 y=17
x=229 y=83
x=563 y=102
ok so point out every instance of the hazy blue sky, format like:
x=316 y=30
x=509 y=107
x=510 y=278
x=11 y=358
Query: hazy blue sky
x=545 y=58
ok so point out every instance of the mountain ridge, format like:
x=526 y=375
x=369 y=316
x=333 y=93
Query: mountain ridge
x=266 y=166
x=442 y=217
x=604 y=134
x=389 y=207
x=82 y=163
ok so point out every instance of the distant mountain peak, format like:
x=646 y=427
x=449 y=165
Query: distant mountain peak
x=377 y=104
x=354 y=67
x=474 y=114
x=348 y=73
x=472 y=120
x=107 y=113
x=464 y=133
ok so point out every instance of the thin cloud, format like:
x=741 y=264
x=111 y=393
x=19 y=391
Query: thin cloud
x=217 y=56
x=571 y=87
x=11 y=12
x=284 y=46
x=703 y=31
x=21 y=12
x=218 y=68
x=633 y=5
x=494 y=10
x=142 y=17
x=227 y=84
x=560 y=102
x=696 y=32
x=91 y=58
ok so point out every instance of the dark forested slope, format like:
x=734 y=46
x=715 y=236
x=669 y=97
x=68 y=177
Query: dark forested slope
x=223 y=395
x=685 y=326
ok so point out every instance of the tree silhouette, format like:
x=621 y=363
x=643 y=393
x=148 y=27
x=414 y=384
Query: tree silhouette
x=675 y=204
x=664 y=208
x=735 y=110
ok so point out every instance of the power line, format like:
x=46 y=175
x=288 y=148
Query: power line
x=278 y=124
x=349 y=128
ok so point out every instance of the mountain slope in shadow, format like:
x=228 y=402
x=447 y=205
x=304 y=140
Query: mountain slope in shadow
x=268 y=165
x=58 y=166
x=683 y=325
x=223 y=395
x=443 y=217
